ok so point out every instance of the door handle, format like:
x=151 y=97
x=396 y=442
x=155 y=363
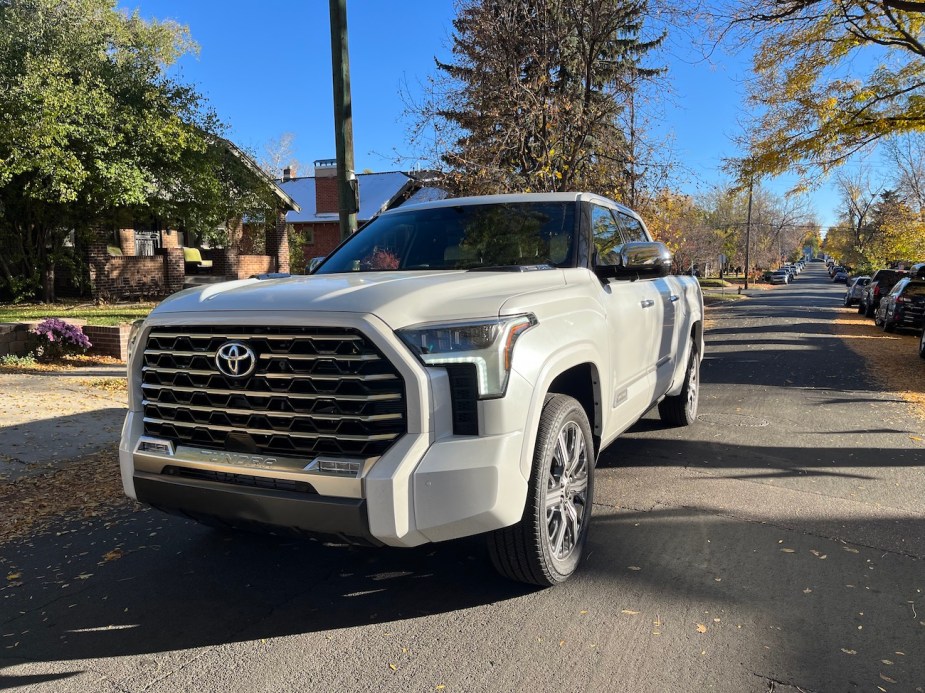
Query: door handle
x=674 y=298
x=647 y=303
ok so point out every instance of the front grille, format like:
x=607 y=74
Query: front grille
x=314 y=390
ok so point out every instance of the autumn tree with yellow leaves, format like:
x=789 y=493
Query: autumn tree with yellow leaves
x=831 y=78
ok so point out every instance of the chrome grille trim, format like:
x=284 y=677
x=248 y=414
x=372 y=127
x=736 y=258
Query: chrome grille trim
x=394 y=397
x=316 y=391
x=265 y=432
x=273 y=376
x=272 y=414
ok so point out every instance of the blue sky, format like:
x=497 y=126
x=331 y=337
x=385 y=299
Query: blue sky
x=266 y=69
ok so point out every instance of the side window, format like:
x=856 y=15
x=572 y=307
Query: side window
x=632 y=229
x=607 y=238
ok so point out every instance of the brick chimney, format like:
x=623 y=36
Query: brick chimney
x=287 y=173
x=326 y=186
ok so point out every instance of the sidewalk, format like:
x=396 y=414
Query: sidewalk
x=49 y=418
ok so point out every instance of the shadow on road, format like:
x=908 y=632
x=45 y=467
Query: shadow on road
x=178 y=586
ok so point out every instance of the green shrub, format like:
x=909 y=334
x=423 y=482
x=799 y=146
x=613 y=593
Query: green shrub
x=14 y=361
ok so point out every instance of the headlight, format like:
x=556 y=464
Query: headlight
x=487 y=343
x=133 y=336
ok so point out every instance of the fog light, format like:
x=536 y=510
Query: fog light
x=336 y=466
x=155 y=445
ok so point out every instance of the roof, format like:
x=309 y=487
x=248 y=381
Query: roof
x=287 y=201
x=514 y=198
x=378 y=191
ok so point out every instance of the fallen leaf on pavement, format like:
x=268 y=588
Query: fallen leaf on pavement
x=701 y=628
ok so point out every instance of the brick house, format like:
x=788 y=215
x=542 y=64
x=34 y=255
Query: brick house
x=318 y=222
x=147 y=260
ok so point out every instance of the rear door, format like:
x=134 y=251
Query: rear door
x=634 y=314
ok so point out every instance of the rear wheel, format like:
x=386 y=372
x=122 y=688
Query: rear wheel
x=544 y=548
x=868 y=310
x=922 y=344
x=681 y=409
x=888 y=326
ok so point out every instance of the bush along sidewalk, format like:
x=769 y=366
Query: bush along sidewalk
x=58 y=339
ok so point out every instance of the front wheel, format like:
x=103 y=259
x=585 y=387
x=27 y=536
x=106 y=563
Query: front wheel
x=544 y=548
x=681 y=409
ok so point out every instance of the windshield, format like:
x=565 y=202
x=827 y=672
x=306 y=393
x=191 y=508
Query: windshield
x=461 y=237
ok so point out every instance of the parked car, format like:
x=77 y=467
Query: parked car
x=855 y=289
x=881 y=283
x=780 y=276
x=904 y=306
x=840 y=276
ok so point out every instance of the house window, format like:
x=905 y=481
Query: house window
x=309 y=235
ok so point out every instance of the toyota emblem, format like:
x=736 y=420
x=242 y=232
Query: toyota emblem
x=235 y=359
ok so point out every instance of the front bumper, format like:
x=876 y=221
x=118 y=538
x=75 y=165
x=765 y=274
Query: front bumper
x=345 y=518
x=430 y=485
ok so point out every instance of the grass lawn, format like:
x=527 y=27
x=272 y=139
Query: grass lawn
x=106 y=314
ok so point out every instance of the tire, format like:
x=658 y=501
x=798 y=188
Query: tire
x=545 y=547
x=847 y=301
x=888 y=326
x=681 y=409
x=877 y=321
x=922 y=344
x=868 y=310
x=861 y=309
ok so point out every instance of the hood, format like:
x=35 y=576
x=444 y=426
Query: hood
x=397 y=298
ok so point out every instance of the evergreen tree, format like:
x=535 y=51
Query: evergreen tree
x=538 y=95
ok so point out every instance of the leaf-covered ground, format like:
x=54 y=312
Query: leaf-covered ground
x=86 y=487
x=892 y=358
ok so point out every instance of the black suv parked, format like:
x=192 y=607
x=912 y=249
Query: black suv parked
x=904 y=306
x=880 y=285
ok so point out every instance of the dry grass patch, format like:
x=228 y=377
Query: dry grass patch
x=892 y=358
x=113 y=385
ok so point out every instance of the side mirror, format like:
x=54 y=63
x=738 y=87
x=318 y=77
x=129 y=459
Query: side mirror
x=637 y=260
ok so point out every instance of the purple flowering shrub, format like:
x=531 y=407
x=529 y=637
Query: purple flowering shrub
x=57 y=338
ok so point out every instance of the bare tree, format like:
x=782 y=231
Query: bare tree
x=277 y=154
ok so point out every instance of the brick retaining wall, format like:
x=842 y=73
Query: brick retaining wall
x=16 y=338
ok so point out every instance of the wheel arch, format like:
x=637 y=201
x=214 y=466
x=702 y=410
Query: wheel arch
x=581 y=382
x=577 y=374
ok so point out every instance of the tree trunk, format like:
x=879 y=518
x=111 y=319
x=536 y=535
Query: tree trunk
x=48 y=283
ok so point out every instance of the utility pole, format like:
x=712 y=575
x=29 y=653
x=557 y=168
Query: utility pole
x=347 y=192
x=748 y=230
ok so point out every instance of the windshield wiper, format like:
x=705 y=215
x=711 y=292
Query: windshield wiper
x=512 y=268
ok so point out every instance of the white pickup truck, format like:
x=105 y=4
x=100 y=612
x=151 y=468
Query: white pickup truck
x=454 y=368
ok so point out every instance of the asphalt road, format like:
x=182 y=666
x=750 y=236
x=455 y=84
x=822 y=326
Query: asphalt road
x=777 y=545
